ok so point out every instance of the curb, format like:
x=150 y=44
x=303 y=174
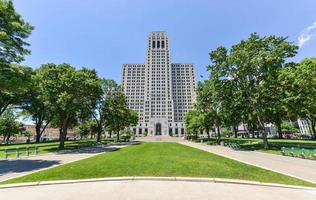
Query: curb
x=140 y=178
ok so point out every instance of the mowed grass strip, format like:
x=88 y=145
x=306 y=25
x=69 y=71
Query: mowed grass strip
x=159 y=159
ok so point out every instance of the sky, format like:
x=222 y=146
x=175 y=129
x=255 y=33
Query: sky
x=105 y=34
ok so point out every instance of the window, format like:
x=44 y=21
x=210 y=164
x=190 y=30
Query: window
x=158 y=44
x=154 y=44
x=162 y=44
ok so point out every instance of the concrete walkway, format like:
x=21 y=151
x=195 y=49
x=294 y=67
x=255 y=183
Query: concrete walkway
x=155 y=189
x=160 y=139
x=297 y=167
x=19 y=167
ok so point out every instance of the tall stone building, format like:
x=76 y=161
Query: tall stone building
x=160 y=91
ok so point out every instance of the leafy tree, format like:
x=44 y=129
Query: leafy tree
x=289 y=128
x=193 y=123
x=116 y=113
x=208 y=106
x=9 y=125
x=13 y=32
x=87 y=128
x=127 y=133
x=14 y=79
x=253 y=65
x=71 y=94
x=300 y=99
x=36 y=106
x=108 y=86
x=15 y=82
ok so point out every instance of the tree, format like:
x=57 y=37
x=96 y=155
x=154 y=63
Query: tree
x=8 y=125
x=108 y=86
x=208 y=105
x=71 y=97
x=14 y=79
x=87 y=128
x=193 y=122
x=300 y=99
x=14 y=30
x=116 y=113
x=253 y=65
x=35 y=105
x=15 y=82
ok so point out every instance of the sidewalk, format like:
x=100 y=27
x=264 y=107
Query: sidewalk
x=296 y=167
x=156 y=189
x=19 y=167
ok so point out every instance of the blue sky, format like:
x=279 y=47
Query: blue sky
x=104 y=34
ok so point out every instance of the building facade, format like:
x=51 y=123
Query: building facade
x=160 y=91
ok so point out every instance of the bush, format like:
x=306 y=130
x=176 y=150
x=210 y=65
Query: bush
x=227 y=133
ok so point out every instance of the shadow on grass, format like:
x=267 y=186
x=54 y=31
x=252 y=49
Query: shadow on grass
x=16 y=166
x=88 y=150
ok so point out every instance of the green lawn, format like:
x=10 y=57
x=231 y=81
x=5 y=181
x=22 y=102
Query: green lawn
x=159 y=159
x=44 y=147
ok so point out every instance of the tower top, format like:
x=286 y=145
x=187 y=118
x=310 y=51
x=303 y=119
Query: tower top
x=158 y=33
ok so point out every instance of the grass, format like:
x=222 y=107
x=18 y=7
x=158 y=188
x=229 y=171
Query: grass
x=159 y=159
x=44 y=147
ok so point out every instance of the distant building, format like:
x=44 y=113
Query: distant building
x=304 y=128
x=49 y=133
x=161 y=92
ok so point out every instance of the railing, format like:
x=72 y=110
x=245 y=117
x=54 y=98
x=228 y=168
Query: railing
x=20 y=150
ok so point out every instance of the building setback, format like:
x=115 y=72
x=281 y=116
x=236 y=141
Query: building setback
x=161 y=92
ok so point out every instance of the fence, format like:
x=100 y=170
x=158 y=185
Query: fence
x=19 y=151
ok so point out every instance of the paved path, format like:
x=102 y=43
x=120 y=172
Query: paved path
x=297 y=167
x=160 y=139
x=155 y=189
x=19 y=167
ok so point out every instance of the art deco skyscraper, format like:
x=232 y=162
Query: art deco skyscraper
x=159 y=91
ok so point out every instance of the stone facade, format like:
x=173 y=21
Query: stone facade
x=161 y=92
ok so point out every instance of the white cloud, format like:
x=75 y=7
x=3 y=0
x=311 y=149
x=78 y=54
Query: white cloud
x=307 y=34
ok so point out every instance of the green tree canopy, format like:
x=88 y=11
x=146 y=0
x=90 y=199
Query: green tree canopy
x=300 y=95
x=116 y=113
x=13 y=32
x=9 y=125
x=71 y=93
x=15 y=81
x=243 y=85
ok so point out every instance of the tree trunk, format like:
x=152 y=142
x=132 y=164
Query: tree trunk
x=63 y=134
x=99 y=133
x=117 y=135
x=264 y=134
x=218 y=135
x=313 y=127
x=8 y=138
x=235 y=131
x=279 y=129
x=265 y=140
x=252 y=132
x=38 y=133
x=110 y=134
x=208 y=135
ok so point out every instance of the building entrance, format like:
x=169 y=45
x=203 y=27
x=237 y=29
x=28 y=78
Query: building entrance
x=158 y=129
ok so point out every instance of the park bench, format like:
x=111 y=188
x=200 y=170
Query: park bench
x=19 y=151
